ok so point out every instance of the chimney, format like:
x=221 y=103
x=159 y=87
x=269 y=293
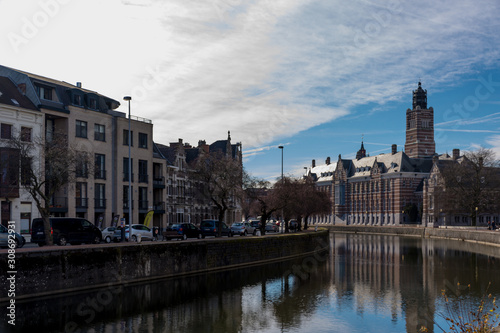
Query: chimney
x=456 y=154
x=394 y=149
x=327 y=160
x=79 y=84
x=313 y=163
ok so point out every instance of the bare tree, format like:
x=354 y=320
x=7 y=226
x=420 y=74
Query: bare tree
x=263 y=199
x=304 y=199
x=219 y=179
x=45 y=168
x=470 y=185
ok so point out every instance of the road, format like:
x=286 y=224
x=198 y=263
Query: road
x=29 y=247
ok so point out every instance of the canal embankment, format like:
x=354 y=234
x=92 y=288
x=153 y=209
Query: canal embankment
x=467 y=234
x=49 y=271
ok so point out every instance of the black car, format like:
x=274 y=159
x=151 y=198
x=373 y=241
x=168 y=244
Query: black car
x=182 y=231
x=211 y=228
x=65 y=230
x=256 y=224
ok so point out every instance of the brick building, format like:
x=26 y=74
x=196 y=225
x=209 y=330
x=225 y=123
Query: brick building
x=382 y=189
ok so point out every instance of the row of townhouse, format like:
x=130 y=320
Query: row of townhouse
x=386 y=188
x=42 y=106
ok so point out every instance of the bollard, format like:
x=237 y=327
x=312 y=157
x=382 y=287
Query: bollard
x=257 y=233
x=139 y=238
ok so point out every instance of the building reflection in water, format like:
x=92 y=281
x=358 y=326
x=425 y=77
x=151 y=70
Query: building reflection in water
x=364 y=283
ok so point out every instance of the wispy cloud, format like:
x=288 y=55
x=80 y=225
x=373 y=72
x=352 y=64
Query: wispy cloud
x=269 y=70
x=266 y=70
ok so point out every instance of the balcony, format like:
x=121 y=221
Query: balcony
x=143 y=204
x=125 y=177
x=125 y=204
x=100 y=174
x=143 y=178
x=159 y=207
x=158 y=182
x=58 y=205
x=82 y=202
x=99 y=203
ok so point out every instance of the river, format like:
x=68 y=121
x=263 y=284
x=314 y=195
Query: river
x=363 y=283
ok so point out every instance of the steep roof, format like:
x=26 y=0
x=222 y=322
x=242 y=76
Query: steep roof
x=10 y=95
x=64 y=90
x=323 y=172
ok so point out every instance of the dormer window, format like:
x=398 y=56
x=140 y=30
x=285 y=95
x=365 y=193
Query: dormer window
x=77 y=100
x=93 y=103
x=44 y=92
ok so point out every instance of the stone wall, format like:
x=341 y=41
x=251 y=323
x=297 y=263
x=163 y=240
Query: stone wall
x=480 y=235
x=73 y=268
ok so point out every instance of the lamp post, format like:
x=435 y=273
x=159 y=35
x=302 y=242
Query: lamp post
x=282 y=217
x=128 y=99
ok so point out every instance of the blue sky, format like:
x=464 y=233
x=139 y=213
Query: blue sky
x=313 y=76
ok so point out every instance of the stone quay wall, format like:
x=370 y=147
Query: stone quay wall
x=52 y=270
x=468 y=234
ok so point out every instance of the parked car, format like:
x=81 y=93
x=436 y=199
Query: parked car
x=72 y=230
x=182 y=231
x=243 y=228
x=293 y=225
x=256 y=224
x=137 y=229
x=211 y=228
x=18 y=239
x=272 y=226
x=108 y=234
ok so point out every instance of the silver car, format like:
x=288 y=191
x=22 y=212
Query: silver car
x=242 y=228
x=137 y=230
x=4 y=238
x=108 y=234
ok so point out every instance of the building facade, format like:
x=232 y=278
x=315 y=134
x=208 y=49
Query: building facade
x=20 y=120
x=390 y=189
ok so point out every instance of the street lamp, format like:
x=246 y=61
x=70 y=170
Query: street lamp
x=282 y=218
x=128 y=99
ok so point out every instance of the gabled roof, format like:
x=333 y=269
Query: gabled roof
x=10 y=95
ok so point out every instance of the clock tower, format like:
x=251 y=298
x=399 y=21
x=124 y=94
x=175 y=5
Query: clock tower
x=420 y=127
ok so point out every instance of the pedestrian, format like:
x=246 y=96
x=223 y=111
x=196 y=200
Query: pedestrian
x=493 y=226
x=489 y=225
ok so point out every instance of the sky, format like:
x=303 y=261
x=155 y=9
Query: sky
x=316 y=77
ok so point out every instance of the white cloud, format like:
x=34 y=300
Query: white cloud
x=265 y=70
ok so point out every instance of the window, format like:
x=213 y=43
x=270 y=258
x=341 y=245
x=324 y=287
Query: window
x=143 y=171
x=77 y=100
x=100 y=166
x=82 y=169
x=81 y=129
x=125 y=197
x=100 y=191
x=26 y=134
x=99 y=132
x=81 y=195
x=9 y=170
x=340 y=194
x=44 y=92
x=143 y=140
x=143 y=198
x=125 y=138
x=126 y=170
x=93 y=103
x=26 y=168
x=6 y=131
